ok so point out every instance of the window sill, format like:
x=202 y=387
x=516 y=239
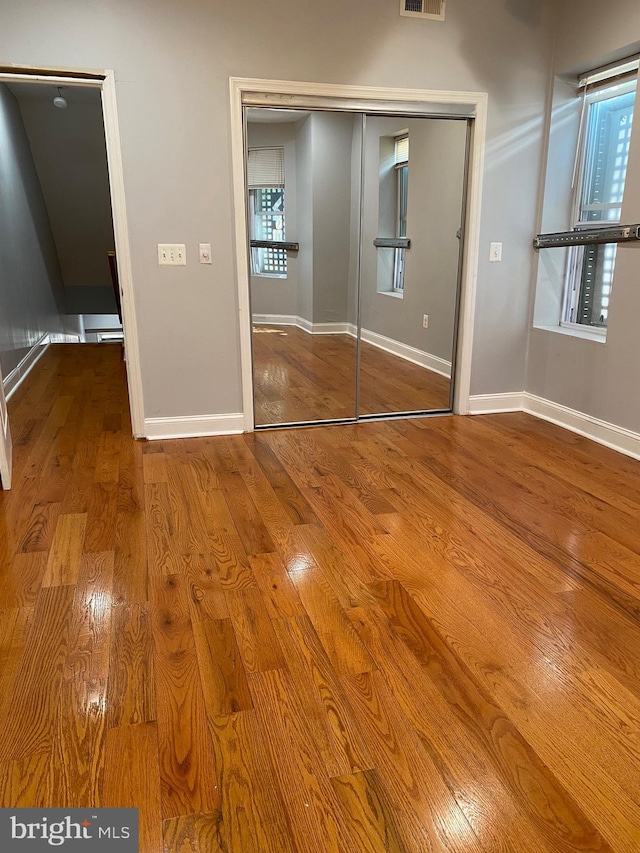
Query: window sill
x=267 y=275
x=395 y=294
x=587 y=334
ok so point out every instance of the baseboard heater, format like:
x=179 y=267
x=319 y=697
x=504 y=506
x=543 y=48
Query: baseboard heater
x=588 y=236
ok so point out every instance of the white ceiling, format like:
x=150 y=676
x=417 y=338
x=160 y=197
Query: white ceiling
x=48 y=91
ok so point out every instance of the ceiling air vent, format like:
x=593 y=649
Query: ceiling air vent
x=433 y=9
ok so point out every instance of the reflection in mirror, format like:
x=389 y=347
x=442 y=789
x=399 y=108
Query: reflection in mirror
x=303 y=184
x=414 y=172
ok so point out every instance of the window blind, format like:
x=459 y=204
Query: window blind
x=612 y=75
x=265 y=168
x=402 y=150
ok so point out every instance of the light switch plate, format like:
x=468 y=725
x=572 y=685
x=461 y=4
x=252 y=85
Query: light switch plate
x=495 y=253
x=205 y=252
x=172 y=254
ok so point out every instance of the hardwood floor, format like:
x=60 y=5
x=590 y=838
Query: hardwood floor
x=407 y=636
x=300 y=377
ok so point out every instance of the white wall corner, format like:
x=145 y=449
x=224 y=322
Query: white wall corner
x=193 y=426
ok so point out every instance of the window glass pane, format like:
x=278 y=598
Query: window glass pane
x=595 y=284
x=403 y=180
x=608 y=135
x=268 y=223
x=605 y=155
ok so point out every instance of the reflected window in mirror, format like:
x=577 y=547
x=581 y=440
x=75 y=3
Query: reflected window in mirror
x=402 y=186
x=265 y=168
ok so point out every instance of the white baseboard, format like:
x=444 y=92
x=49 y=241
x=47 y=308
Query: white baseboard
x=617 y=438
x=417 y=356
x=193 y=426
x=275 y=320
x=491 y=404
x=13 y=380
x=408 y=353
x=301 y=323
x=610 y=435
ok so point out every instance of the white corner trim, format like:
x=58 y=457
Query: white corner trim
x=13 y=380
x=617 y=438
x=491 y=404
x=417 y=356
x=193 y=426
x=610 y=435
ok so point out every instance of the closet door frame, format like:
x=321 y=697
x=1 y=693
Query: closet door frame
x=410 y=102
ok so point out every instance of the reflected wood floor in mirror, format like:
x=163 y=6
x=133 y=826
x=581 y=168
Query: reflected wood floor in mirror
x=303 y=377
x=391 y=637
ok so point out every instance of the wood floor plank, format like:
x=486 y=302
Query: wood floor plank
x=100 y=534
x=292 y=500
x=257 y=641
x=278 y=592
x=23 y=579
x=340 y=641
x=310 y=803
x=225 y=546
x=188 y=779
x=25 y=783
x=494 y=749
x=224 y=681
x=326 y=708
x=432 y=818
x=201 y=833
x=33 y=706
x=254 y=816
x=66 y=550
x=131 y=696
x=206 y=594
x=249 y=525
x=370 y=813
x=131 y=779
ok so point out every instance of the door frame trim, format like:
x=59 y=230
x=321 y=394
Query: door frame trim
x=104 y=79
x=370 y=100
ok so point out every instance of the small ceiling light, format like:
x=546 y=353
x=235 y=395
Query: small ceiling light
x=59 y=101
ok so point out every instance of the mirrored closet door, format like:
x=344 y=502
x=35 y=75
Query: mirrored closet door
x=354 y=225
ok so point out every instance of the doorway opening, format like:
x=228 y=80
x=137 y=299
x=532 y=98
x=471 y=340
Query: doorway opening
x=60 y=139
x=357 y=231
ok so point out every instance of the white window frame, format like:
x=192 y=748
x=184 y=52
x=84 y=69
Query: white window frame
x=575 y=257
x=271 y=176
x=399 y=257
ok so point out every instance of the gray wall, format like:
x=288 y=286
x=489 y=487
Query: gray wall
x=70 y=155
x=332 y=135
x=434 y=215
x=31 y=297
x=598 y=379
x=173 y=63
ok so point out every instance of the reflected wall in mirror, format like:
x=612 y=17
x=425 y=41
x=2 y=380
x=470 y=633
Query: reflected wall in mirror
x=303 y=185
x=414 y=172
